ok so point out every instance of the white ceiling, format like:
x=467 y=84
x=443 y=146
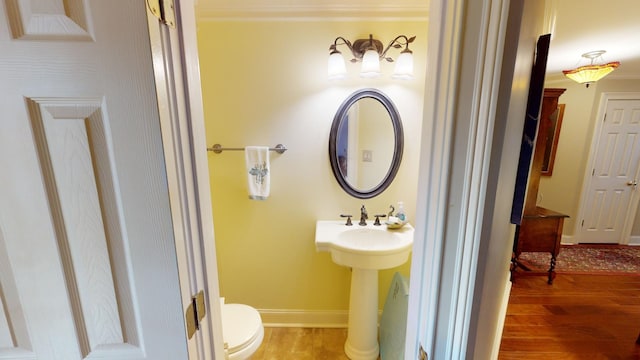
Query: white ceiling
x=587 y=25
x=577 y=26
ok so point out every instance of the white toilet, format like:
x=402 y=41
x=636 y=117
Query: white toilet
x=242 y=330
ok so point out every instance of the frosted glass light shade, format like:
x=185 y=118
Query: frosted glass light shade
x=370 y=64
x=336 y=68
x=590 y=73
x=404 y=66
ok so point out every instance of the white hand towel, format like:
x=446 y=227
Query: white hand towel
x=258 y=171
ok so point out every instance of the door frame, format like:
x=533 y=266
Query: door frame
x=605 y=97
x=465 y=57
x=177 y=77
x=441 y=325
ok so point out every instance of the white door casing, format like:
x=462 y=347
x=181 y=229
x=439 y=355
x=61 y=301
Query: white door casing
x=610 y=198
x=179 y=92
x=87 y=256
x=466 y=39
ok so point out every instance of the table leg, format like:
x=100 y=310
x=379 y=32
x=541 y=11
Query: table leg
x=552 y=269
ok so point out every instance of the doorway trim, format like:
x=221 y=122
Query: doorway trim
x=605 y=97
x=465 y=53
x=178 y=90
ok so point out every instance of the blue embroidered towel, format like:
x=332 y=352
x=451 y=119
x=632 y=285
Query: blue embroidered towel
x=258 y=171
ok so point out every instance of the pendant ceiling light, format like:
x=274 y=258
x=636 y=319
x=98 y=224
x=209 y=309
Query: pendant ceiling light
x=591 y=73
x=370 y=51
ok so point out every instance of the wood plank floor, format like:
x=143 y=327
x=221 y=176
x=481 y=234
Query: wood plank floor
x=302 y=344
x=578 y=317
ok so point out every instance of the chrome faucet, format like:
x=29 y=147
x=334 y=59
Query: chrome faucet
x=363 y=216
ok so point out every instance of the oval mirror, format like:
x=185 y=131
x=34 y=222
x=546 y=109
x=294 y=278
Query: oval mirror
x=366 y=143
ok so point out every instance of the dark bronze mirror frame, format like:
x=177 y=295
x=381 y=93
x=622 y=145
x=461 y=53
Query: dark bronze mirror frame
x=398 y=148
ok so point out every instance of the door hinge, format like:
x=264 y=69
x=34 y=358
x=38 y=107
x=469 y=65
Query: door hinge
x=582 y=224
x=164 y=10
x=196 y=311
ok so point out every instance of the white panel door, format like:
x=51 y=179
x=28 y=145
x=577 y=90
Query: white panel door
x=612 y=186
x=87 y=257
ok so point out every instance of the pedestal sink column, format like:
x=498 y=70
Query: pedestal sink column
x=362 y=338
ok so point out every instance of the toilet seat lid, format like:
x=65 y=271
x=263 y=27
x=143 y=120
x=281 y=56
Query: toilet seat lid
x=241 y=325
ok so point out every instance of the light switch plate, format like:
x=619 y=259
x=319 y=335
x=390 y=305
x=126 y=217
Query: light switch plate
x=367 y=156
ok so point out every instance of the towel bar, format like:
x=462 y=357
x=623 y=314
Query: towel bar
x=217 y=148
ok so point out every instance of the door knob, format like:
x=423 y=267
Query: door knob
x=633 y=183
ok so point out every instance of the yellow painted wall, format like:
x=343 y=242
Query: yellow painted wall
x=264 y=83
x=562 y=190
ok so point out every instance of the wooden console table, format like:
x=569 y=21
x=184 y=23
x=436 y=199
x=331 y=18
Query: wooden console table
x=538 y=232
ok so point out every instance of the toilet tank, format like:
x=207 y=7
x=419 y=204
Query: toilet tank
x=393 y=324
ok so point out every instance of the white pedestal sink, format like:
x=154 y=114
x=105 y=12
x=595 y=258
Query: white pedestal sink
x=366 y=249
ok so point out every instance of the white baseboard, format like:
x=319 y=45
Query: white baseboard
x=634 y=240
x=306 y=318
x=567 y=240
x=502 y=316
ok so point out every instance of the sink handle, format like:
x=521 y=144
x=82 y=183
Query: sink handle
x=377 y=222
x=349 y=223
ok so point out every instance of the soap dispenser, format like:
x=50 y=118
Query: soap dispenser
x=400 y=214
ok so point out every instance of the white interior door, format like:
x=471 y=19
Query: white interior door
x=87 y=257
x=611 y=196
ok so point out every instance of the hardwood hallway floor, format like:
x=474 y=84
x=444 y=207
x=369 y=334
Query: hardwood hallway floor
x=578 y=317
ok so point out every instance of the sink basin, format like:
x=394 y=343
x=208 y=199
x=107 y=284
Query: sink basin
x=364 y=247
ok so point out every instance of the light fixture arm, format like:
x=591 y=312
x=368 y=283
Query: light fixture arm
x=360 y=46
x=334 y=46
x=396 y=43
x=369 y=52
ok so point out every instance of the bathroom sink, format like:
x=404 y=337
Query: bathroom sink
x=364 y=247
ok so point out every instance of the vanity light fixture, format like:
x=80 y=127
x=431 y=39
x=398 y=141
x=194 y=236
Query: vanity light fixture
x=370 y=51
x=591 y=73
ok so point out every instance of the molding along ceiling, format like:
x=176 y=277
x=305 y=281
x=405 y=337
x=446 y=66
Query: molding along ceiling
x=310 y=9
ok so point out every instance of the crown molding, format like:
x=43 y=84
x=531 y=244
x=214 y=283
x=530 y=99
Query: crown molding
x=333 y=12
